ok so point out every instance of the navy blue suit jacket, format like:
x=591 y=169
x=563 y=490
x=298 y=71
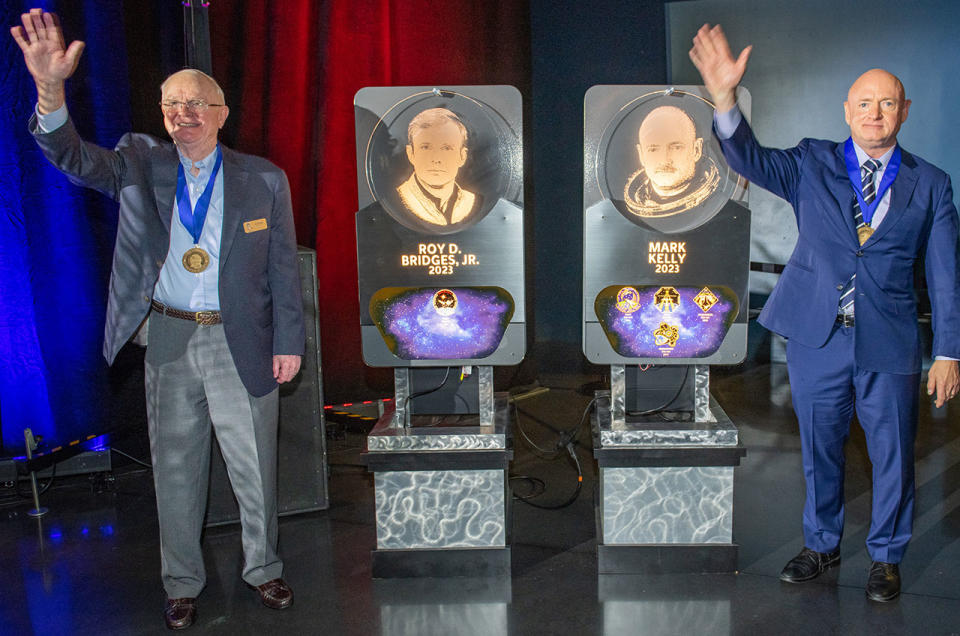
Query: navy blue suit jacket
x=922 y=222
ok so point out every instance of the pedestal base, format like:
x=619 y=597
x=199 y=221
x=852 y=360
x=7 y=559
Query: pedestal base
x=699 y=558
x=665 y=496
x=442 y=496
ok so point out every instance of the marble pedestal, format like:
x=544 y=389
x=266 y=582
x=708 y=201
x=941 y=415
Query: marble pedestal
x=442 y=495
x=665 y=495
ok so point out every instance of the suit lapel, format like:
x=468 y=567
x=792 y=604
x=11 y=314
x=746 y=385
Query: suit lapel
x=901 y=191
x=842 y=191
x=234 y=192
x=164 y=168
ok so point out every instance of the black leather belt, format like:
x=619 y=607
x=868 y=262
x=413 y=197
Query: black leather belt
x=845 y=320
x=205 y=318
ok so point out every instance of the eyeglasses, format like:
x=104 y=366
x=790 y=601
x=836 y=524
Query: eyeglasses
x=195 y=106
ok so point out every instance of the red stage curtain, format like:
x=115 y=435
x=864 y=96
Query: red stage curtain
x=291 y=69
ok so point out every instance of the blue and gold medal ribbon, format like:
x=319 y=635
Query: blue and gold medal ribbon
x=193 y=219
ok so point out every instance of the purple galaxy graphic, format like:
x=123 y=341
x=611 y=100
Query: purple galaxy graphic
x=670 y=322
x=416 y=327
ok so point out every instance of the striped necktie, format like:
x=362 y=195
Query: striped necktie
x=869 y=189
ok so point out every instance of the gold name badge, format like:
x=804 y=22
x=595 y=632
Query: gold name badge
x=255 y=225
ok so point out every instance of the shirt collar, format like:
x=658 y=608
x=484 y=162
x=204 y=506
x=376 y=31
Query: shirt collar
x=205 y=165
x=862 y=156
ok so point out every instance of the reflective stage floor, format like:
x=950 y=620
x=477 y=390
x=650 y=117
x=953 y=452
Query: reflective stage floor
x=91 y=566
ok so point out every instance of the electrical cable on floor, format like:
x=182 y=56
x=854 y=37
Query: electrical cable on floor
x=565 y=442
x=664 y=406
x=542 y=453
x=576 y=493
x=130 y=457
x=573 y=434
x=537 y=486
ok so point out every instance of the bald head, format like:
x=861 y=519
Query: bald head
x=875 y=109
x=197 y=76
x=669 y=149
x=877 y=77
x=667 y=118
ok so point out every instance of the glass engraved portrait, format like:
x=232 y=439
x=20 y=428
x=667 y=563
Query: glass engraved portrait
x=674 y=175
x=437 y=148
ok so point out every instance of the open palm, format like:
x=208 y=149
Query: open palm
x=721 y=72
x=44 y=50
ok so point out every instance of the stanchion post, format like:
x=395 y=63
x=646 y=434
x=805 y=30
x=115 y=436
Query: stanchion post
x=31 y=444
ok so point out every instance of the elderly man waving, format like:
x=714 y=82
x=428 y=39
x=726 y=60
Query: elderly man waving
x=205 y=263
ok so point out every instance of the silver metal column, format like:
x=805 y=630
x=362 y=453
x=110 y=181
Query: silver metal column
x=701 y=394
x=401 y=396
x=618 y=395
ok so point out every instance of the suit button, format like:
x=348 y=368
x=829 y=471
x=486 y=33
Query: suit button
x=840 y=287
x=859 y=252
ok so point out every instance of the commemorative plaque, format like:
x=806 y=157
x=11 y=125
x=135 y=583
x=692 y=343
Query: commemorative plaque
x=666 y=231
x=440 y=226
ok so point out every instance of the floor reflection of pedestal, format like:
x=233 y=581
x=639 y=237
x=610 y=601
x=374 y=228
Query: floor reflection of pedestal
x=474 y=606
x=662 y=605
x=665 y=500
x=441 y=496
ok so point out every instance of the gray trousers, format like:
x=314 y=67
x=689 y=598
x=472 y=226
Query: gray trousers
x=192 y=387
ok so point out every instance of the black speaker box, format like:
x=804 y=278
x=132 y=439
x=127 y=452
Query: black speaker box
x=302 y=460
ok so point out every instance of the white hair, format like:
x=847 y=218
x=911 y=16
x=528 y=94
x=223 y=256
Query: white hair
x=198 y=75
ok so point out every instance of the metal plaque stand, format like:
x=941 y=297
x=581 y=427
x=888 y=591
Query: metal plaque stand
x=440 y=455
x=665 y=283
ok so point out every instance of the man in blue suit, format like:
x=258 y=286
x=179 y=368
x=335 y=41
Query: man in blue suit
x=867 y=211
x=205 y=262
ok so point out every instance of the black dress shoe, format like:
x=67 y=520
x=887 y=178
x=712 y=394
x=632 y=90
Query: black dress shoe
x=180 y=612
x=808 y=565
x=275 y=594
x=883 y=584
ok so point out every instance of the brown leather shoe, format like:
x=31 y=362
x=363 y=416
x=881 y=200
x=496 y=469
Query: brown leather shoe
x=275 y=594
x=180 y=612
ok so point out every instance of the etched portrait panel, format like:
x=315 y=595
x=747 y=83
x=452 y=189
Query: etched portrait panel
x=439 y=161
x=659 y=164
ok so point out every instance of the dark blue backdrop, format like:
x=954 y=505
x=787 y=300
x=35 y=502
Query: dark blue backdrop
x=56 y=240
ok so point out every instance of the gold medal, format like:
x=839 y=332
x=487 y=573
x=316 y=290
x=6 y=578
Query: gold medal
x=864 y=232
x=195 y=260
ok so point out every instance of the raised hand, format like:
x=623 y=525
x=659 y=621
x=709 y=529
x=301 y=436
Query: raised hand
x=49 y=61
x=720 y=72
